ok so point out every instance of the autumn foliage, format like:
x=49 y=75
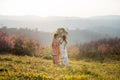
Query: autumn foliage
x=103 y=48
x=6 y=41
x=19 y=45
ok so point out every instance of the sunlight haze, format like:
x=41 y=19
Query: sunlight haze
x=44 y=8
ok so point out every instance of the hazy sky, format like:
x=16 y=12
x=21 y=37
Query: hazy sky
x=43 y=8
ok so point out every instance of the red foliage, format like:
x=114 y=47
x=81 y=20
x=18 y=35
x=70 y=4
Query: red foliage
x=110 y=45
x=6 y=41
x=19 y=45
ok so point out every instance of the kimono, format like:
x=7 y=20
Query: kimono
x=55 y=51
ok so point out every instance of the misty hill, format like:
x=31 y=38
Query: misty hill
x=74 y=36
x=92 y=23
x=80 y=30
x=41 y=37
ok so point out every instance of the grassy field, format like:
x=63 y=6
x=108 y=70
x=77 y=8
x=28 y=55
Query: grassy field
x=32 y=68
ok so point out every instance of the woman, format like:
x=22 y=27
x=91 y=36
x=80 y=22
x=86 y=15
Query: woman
x=63 y=50
x=56 y=50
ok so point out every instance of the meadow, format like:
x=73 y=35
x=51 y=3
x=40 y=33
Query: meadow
x=34 y=68
x=23 y=58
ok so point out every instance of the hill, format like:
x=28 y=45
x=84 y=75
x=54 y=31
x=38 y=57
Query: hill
x=74 y=36
x=32 y=68
x=52 y=22
x=81 y=30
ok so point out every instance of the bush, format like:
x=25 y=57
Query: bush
x=25 y=46
x=6 y=42
x=19 y=45
x=101 y=49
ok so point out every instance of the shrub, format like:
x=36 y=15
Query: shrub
x=101 y=49
x=19 y=45
x=25 y=46
x=6 y=41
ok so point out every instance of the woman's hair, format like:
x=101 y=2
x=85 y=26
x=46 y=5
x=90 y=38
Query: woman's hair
x=55 y=35
x=64 y=38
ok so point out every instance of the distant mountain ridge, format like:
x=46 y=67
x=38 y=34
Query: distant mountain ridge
x=67 y=22
x=80 y=30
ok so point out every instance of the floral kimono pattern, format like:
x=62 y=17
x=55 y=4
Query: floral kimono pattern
x=56 y=51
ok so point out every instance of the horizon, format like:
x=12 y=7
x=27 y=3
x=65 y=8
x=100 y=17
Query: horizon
x=59 y=16
x=49 y=24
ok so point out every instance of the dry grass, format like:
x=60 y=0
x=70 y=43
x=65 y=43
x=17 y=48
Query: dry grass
x=32 y=68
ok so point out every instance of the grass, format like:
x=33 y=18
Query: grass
x=32 y=68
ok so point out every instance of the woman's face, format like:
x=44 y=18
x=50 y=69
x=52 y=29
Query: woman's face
x=56 y=37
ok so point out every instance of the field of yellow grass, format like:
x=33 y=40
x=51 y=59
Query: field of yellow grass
x=32 y=68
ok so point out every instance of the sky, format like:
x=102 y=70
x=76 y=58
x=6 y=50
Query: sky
x=74 y=8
